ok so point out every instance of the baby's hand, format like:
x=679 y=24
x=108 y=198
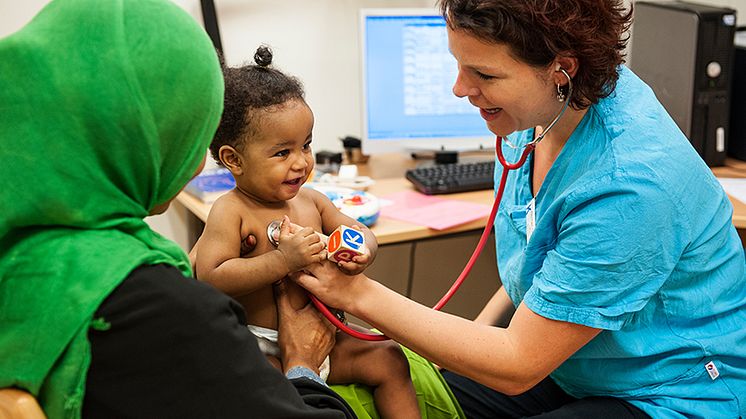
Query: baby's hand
x=300 y=248
x=356 y=265
x=294 y=228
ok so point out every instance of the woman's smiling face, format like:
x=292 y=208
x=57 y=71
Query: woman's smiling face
x=511 y=95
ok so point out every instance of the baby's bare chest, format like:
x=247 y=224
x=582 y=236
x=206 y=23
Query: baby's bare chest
x=257 y=220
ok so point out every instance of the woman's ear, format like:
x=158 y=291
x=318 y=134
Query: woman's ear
x=231 y=159
x=567 y=63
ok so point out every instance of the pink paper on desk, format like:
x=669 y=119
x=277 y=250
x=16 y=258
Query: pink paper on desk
x=430 y=211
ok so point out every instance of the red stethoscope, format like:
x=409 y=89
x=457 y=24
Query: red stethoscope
x=527 y=149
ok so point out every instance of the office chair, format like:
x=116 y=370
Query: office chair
x=18 y=404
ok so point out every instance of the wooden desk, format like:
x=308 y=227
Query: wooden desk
x=422 y=263
x=737 y=169
x=414 y=260
x=387 y=230
x=388 y=170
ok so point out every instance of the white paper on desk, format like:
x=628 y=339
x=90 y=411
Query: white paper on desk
x=735 y=187
x=433 y=212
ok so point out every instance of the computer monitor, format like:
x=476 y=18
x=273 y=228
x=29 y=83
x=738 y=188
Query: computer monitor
x=407 y=77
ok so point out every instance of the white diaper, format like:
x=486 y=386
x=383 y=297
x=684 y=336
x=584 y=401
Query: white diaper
x=267 y=339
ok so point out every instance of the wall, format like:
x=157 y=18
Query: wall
x=315 y=40
x=13 y=14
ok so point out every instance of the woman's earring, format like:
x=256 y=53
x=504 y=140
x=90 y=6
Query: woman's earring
x=560 y=94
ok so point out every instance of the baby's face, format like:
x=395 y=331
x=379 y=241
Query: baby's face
x=277 y=160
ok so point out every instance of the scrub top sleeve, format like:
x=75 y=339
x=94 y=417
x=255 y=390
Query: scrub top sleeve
x=618 y=241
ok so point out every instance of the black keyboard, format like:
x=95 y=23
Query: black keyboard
x=450 y=178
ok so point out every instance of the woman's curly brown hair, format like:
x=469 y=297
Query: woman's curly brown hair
x=593 y=31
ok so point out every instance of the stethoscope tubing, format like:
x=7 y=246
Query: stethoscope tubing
x=469 y=265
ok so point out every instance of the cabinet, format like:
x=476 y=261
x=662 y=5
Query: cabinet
x=424 y=270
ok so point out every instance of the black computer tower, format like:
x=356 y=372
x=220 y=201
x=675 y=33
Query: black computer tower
x=737 y=140
x=684 y=51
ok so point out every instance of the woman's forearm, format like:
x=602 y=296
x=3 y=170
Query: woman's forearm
x=452 y=342
x=508 y=360
x=497 y=309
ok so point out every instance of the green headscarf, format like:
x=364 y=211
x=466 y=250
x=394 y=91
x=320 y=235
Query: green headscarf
x=106 y=110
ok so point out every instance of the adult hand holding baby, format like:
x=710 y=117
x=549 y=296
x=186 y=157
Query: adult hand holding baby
x=305 y=336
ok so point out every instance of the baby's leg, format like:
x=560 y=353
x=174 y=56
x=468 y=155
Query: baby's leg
x=381 y=365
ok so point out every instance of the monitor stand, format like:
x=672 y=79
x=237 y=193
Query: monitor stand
x=441 y=156
x=445 y=156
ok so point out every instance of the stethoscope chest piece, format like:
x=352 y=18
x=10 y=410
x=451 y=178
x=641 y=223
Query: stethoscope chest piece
x=273 y=232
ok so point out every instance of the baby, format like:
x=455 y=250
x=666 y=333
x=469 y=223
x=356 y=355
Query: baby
x=264 y=139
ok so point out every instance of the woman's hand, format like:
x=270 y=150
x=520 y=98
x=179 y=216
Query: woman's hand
x=332 y=286
x=305 y=337
x=300 y=248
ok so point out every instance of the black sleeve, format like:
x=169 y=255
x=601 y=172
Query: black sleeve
x=321 y=396
x=169 y=346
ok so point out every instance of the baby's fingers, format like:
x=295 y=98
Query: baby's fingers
x=362 y=259
x=321 y=256
x=317 y=248
x=308 y=234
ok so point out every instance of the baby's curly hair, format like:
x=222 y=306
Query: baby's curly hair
x=248 y=89
x=593 y=31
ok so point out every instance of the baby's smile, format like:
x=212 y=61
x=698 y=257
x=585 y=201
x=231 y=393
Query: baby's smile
x=294 y=181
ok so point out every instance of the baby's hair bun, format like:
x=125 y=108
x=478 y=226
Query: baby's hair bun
x=263 y=56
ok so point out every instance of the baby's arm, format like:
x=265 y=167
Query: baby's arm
x=219 y=259
x=248 y=244
x=331 y=218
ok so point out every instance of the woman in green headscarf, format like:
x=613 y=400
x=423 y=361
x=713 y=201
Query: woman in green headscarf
x=106 y=110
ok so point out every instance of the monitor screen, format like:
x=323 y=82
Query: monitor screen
x=408 y=76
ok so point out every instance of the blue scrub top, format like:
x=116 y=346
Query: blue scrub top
x=633 y=236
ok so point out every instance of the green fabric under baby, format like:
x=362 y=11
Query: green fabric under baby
x=433 y=395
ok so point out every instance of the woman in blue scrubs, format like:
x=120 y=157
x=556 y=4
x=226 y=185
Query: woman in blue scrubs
x=614 y=241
